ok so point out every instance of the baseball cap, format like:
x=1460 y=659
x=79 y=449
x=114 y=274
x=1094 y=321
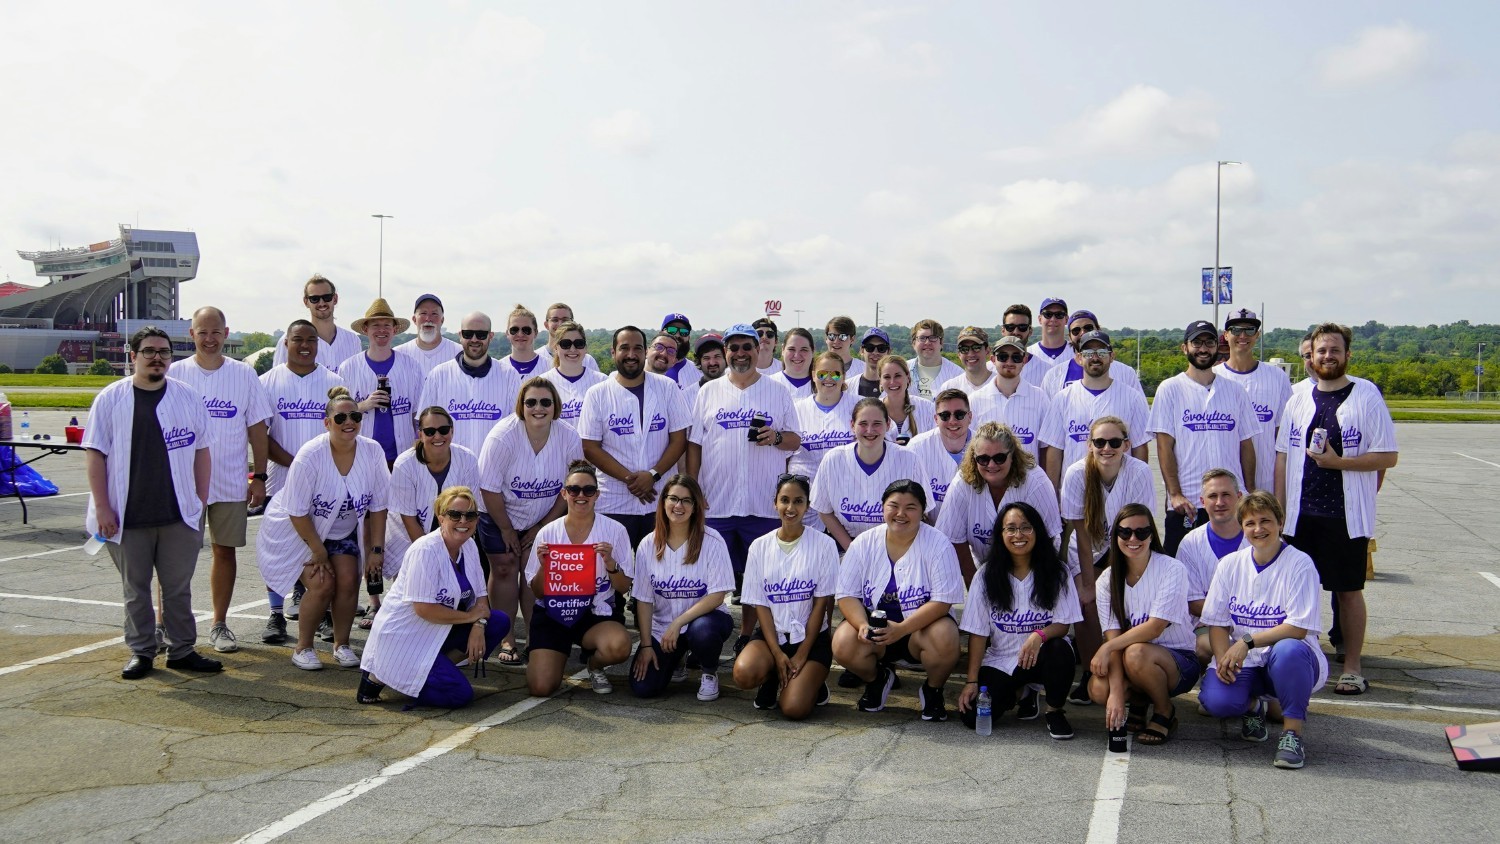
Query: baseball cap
x=425 y=297
x=709 y=339
x=1198 y=328
x=1077 y=315
x=1095 y=337
x=875 y=333
x=682 y=318
x=1052 y=301
x=1008 y=341
x=973 y=332
x=1242 y=315
x=739 y=329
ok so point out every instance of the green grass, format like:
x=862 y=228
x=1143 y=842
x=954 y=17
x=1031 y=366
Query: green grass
x=14 y=380
x=33 y=401
x=1418 y=416
x=1443 y=404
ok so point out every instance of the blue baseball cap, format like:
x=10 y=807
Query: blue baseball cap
x=875 y=333
x=741 y=329
x=427 y=297
x=1049 y=301
x=682 y=318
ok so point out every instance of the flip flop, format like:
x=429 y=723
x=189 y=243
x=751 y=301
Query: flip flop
x=508 y=655
x=1352 y=680
x=368 y=620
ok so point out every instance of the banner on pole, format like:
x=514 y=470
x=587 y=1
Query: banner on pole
x=1226 y=285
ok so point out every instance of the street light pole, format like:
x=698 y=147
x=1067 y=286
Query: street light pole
x=798 y=312
x=380 y=288
x=1218 y=195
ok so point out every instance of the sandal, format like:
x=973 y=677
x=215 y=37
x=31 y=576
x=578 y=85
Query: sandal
x=368 y=621
x=508 y=655
x=1135 y=717
x=1152 y=737
x=1356 y=685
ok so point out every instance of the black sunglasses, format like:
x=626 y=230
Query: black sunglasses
x=987 y=459
x=876 y=347
x=544 y=402
x=474 y=334
x=441 y=430
x=572 y=344
x=790 y=476
x=1112 y=442
x=462 y=515
x=960 y=415
x=1016 y=327
x=1001 y=357
x=587 y=491
x=1082 y=329
x=767 y=333
x=320 y=297
x=520 y=329
x=969 y=348
x=351 y=416
x=1138 y=533
x=736 y=348
x=1054 y=314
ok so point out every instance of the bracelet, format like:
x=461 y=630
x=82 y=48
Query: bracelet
x=1041 y=634
x=972 y=683
x=615 y=570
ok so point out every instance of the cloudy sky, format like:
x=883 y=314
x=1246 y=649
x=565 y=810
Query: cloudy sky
x=944 y=159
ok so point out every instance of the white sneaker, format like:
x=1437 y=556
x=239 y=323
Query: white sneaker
x=223 y=639
x=346 y=656
x=708 y=687
x=307 y=660
x=599 y=681
x=679 y=674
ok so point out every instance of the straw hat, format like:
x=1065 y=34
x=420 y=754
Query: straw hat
x=379 y=309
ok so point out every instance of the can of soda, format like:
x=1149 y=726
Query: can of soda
x=757 y=422
x=878 y=620
x=1317 y=441
x=383 y=384
x=374 y=583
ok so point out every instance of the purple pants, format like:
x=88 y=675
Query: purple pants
x=446 y=686
x=739 y=532
x=1289 y=673
x=704 y=636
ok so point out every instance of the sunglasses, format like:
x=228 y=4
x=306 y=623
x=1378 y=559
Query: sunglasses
x=154 y=353
x=474 y=334
x=766 y=333
x=663 y=348
x=320 y=297
x=572 y=344
x=839 y=338
x=587 y=491
x=987 y=459
x=789 y=476
x=1010 y=358
x=351 y=416
x=439 y=431
x=1094 y=354
x=736 y=348
x=521 y=330
x=462 y=515
x=1137 y=533
x=677 y=331
x=1243 y=330
x=1082 y=329
x=1016 y=327
x=969 y=348
x=876 y=348
x=1054 y=314
x=545 y=402
x=826 y=375
x=960 y=415
x=1112 y=442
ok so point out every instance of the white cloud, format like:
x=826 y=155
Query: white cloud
x=1377 y=54
x=890 y=203
x=626 y=131
x=1142 y=122
x=861 y=44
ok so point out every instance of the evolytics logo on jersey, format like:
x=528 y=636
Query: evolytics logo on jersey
x=622 y=424
x=1078 y=430
x=534 y=488
x=1263 y=412
x=790 y=590
x=1025 y=434
x=179 y=437
x=658 y=422
x=1351 y=438
x=571 y=409
x=824 y=440
x=1213 y=420
x=1294 y=435
x=861 y=512
x=982 y=533
x=740 y=418
x=1261 y=615
x=474 y=409
x=939 y=488
x=1014 y=621
x=301 y=408
x=324 y=507
x=680 y=586
x=911 y=597
x=220 y=408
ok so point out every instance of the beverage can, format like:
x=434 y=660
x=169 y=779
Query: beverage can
x=1317 y=442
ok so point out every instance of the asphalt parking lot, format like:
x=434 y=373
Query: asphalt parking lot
x=267 y=752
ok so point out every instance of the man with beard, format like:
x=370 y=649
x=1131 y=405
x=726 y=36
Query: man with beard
x=1329 y=483
x=1009 y=399
x=743 y=429
x=429 y=348
x=664 y=354
x=682 y=371
x=634 y=427
x=873 y=347
x=335 y=344
x=709 y=352
x=1201 y=422
x=471 y=387
x=1268 y=387
x=146 y=456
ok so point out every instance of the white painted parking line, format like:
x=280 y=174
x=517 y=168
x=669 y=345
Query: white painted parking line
x=333 y=800
x=42 y=553
x=1491 y=577
x=200 y=614
x=32 y=500
x=1471 y=457
x=1414 y=707
x=1109 y=799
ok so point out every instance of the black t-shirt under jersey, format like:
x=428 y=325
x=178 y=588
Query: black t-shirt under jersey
x=151 y=500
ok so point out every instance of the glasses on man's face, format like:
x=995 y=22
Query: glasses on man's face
x=1112 y=442
x=1082 y=329
x=462 y=515
x=1016 y=327
x=677 y=331
x=544 y=402
x=1018 y=530
x=679 y=500
x=875 y=348
x=960 y=415
x=1243 y=330
x=765 y=333
x=987 y=459
x=587 y=490
x=1094 y=354
x=520 y=330
x=566 y=344
x=1140 y=534
x=1203 y=343
x=350 y=416
x=969 y=348
x=839 y=338
x=439 y=431
x=316 y=298
x=665 y=349
x=924 y=339
x=1054 y=315
x=1004 y=357
x=154 y=353
x=827 y=375
x=475 y=334
x=737 y=348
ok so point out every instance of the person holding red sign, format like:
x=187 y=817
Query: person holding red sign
x=436 y=615
x=585 y=542
x=682 y=574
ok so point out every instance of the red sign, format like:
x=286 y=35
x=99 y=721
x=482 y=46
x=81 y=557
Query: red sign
x=570 y=571
x=773 y=307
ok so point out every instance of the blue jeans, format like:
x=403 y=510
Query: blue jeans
x=1289 y=673
x=704 y=636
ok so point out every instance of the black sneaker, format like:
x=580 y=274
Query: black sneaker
x=931 y=701
x=766 y=697
x=1058 y=726
x=325 y=630
x=848 y=680
x=876 y=691
x=822 y=696
x=1029 y=706
x=195 y=661
x=275 y=630
x=740 y=643
x=1080 y=694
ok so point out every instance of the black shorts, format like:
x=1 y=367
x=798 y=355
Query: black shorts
x=488 y=535
x=548 y=635
x=821 y=652
x=898 y=651
x=1340 y=559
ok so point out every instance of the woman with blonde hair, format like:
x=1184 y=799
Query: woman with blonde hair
x=523 y=360
x=910 y=414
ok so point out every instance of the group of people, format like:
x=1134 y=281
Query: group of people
x=850 y=506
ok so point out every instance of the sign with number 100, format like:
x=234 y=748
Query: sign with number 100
x=773 y=307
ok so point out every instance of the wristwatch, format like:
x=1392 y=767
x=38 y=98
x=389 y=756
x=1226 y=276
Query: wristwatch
x=777 y=439
x=483 y=622
x=259 y=476
x=655 y=475
x=1249 y=641
x=377 y=549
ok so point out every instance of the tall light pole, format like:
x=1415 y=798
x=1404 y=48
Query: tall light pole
x=1478 y=370
x=798 y=312
x=1218 y=195
x=380 y=289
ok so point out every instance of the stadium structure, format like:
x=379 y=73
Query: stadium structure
x=95 y=297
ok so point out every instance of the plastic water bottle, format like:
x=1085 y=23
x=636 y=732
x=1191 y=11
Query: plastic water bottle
x=25 y=423
x=983 y=720
x=5 y=432
x=95 y=543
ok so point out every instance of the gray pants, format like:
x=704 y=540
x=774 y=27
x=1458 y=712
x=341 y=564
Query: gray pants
x=172 y=552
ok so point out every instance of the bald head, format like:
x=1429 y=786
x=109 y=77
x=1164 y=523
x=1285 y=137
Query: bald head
x=209 y=316
x=209 y=331
x=476 y=321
